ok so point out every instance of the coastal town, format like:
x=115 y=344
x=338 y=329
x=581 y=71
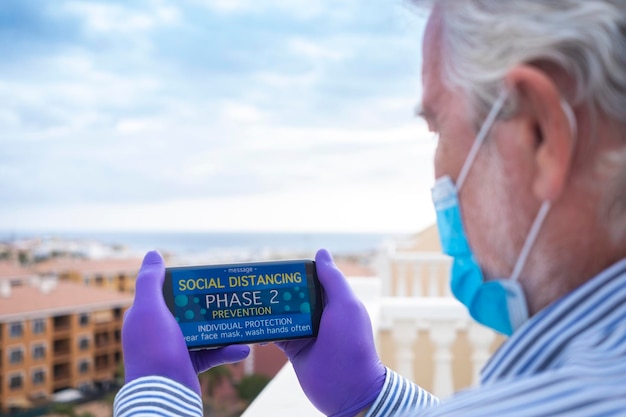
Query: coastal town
x=62 y=303
x=61 y=309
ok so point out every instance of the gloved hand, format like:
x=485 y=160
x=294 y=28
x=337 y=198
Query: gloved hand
x=339 y=371
x=153 y=342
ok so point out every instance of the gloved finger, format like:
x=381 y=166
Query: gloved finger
x=335 y=285
x=293 y=347
x=149 y=285
x=206 y=359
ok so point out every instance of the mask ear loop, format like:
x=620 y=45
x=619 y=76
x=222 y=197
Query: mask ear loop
x=545 y=207
x=571 y=118
x=480 y=138
x=530 y=240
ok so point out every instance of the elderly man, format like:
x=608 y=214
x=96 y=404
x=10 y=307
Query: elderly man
x=528 y=100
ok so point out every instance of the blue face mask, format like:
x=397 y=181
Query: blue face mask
x=499 y=304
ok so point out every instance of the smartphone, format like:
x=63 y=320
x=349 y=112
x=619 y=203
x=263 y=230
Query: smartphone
x=219 y=305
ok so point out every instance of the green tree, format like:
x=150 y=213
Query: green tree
x=119 y=373
x=215 y=376
x=64 y=409
x=250 y=386
x=68 y=410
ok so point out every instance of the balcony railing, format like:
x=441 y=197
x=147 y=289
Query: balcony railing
x=61 y=324
x=418 y=274
x=439 y=323
x=61 y=349
x=421 y=332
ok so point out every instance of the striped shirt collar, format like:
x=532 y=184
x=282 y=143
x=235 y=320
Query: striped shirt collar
x=539 y=343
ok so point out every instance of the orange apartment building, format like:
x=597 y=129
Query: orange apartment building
x=114 y=274
x=55 y=335
x=66 y=332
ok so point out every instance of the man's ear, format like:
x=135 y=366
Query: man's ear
x=551 y=125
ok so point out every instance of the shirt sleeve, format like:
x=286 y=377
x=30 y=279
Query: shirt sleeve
x=400 y=397
x=155 y=395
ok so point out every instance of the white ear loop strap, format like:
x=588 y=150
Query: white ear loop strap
x=480 y=138
x=545 y=207
x=571 y=118
x=530 y=240
x=484 y=130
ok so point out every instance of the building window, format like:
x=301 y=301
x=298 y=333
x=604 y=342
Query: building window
x=16 y=381
x=39 y=326
x=84 y=319
x=62 y=323
x=83 y=366
x=39 y=376
x=102 y=362
x=39 y=351
x=16 y=355
x=83 y=343
x=61 y=371
x=16 y=329
x=102 y=339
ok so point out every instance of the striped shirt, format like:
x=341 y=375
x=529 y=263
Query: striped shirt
x=156 y=396
x=567 y=360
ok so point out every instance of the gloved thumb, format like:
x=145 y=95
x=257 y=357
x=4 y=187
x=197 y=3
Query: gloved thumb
x=204 y=359
x=335 y=285
x=149 y=285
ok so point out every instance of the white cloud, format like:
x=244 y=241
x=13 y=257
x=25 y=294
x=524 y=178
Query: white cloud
x=227 y=6
x=74 y=95
x=276 y=79
x=385 y=188
x=9 y=118
x=295 y=8
x=135 y=125
x=315 y=50
x=104 y=17
x=359 y=209
x=153 y=134
x=236 y=112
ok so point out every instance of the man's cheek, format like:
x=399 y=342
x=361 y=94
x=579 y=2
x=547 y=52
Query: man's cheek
x=442 y=160
x=449 y=156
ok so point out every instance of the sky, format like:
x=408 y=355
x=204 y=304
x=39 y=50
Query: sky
x=213 y=115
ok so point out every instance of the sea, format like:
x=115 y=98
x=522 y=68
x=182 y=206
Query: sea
x=218 y=245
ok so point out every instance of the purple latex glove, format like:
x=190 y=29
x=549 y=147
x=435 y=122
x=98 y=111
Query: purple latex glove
x=339 y=371
x=153 y=342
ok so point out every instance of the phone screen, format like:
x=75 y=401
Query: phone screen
x=218 y=305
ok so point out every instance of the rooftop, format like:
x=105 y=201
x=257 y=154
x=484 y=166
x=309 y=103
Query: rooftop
x=352 y=268
x=88 y=266
x=27 y=300
x=12 y=270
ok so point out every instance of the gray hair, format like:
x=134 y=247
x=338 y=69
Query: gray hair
x=483 y=39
